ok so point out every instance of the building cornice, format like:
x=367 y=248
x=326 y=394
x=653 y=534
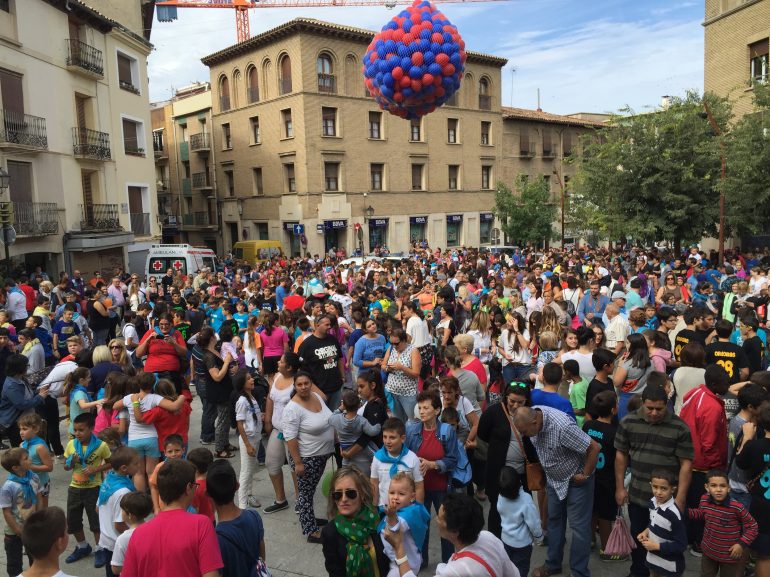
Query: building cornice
x=320 y=27
x=726 y=13
x=530 y=115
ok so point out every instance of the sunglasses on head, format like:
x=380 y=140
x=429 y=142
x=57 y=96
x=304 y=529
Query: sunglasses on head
x=349 y=493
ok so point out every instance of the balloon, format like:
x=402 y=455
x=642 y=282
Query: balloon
x=415 y=63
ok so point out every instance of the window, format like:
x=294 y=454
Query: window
x=291 y=183
x=257 y=174
x=758 y=57
x=256 y=137
x=454 y=176
x=128 y=73
x=224 y=94
x=417 y=176
x=133 y=137
x=485 y=100
x=375 y=125
x=485 y=229
x=567 y=144
x=547 y=143
x=230 y=182
x=261 y=231
x=331 y=176
x=547 y=179
x=452 y=100
x=288 y=125
x=376 y=171
x=326 y=79
x=12 y=91
x=414 y=127
x=252 y=88
x=486 y=177
x=451 y=130
x=486 y=128
x=526 y=147
x=329 y=121
x=284 y=82
x=20 y=181
x=227 y=141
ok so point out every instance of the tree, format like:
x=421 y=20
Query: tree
x=527 y=218
x=653 y=176
x=747 y=158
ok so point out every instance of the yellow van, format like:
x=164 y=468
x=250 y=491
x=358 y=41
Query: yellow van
x=257 y=251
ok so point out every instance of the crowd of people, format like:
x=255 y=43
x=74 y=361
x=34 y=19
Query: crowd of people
x=556 y=387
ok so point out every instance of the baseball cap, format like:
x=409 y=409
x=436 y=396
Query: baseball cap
x=618 y=295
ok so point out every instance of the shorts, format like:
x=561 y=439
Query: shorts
x=270 y=365
x=605 y=506
x=761 y=545
x=147 y=447
x=77 y=500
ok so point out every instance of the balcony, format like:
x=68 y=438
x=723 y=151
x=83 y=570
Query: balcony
x=35 y=218
x=132 y=148
x=196 y=219
x=327 y=83
x=99 y=218
x=22 y=131
x=162 y=185
x=92 y=144
x=140 y=223
x=128 y=85
x=252 y=94
x=549 y=151
x=200 y=142
x=186 y=187
x=84 y=59
x=485 y=102
x=201 y=181
x=158 y=147
x=284 y=84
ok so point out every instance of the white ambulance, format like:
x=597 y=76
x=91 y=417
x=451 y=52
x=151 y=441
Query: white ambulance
x=179 y=257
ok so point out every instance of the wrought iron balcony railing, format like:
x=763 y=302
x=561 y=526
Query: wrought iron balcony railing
x=91 y=143
x=85 y=57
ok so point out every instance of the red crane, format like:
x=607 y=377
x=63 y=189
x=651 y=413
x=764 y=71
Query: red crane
x=167 y=8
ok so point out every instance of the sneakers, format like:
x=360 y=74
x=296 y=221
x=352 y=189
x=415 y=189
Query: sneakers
x=78 y=554
x=100 y=558
x=211 y=442
x=253 y=502
x=695 y=551
x=276 y=506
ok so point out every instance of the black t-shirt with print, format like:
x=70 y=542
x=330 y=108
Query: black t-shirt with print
x=321 y=358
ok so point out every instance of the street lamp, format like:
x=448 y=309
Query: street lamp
x=368 y=213
x=718 y=132
x=5 y=180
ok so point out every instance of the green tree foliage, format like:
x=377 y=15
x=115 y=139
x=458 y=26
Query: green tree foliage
x=747 y=154
x=652 y=176
x=527 y=217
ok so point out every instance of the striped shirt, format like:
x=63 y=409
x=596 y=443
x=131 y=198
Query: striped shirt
x=561 y=447
x=667 y=529
x=727 y=523
x=651 y=446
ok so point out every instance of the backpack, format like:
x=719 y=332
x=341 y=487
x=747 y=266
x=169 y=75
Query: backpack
x=34 y=379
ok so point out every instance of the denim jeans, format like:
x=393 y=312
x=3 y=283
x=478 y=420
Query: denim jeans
x=694 y=493
x=576 y=507
x=434 y=499
x=521 y=557
x=403 y=406
x=209 y=413
x=222 y=428
x=516 y=373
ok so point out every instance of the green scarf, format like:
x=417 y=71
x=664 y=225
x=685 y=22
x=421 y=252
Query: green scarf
x=357 y=531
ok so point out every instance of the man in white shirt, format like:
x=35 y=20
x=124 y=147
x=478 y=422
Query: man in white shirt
x=617 y=329
x=16 y=305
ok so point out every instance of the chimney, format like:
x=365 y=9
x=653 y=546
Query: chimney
x=665 y=102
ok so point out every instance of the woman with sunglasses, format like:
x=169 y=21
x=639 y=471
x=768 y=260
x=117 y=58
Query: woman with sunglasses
x=505 y=446
x=351 y=542
x=669 y=288
x=402 y=363
x=120 y=356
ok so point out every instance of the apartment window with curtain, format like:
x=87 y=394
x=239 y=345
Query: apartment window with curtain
x=291 y=182
x=418 y=177
x=451 y=130
x=256 y=136
x=285 y=79
x=227 y=140
x=758 y=58
x=415 y=130
x=329 y=121
x=486 y=177
x=288 y=125
x=230 y=183
x=331 y=176
x=486 y=128
x=257 y=174
x=375 y=125
x=454 y=177
x=133 y=137
x=128 y=73
x=377 y=172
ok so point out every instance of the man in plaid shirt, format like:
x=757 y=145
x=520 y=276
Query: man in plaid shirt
x=568 y=456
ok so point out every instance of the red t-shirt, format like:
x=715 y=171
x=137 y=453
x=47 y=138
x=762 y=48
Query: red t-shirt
x=174 y=544
x=202 y=502
x=167 y=423
x=432 y=450
x=293 y=302
x=161 y=356
x=477 y=368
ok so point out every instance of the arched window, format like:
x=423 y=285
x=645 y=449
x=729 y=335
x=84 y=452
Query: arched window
x=353 y=80
x=485 y=100
x=284 y=81
x=224 y=94
x=236 y=88
x=267 y=79
x=252 y=85
x=327 y=82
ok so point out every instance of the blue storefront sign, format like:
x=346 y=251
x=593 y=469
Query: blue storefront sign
x=454 y=218
x=418 y=220
x=335 y=224
x=378 y=222
x=289 y=226
x=487 y=216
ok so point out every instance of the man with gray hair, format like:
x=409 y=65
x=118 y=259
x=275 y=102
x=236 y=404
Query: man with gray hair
x=568 y=457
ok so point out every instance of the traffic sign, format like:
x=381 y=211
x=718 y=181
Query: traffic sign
x=299 y=229
x=9 y=234
x=358 y=226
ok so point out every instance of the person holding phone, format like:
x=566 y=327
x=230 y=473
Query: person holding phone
x=165 y=348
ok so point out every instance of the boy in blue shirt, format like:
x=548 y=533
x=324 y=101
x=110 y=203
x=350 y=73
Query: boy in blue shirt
x=64 y=329
x=548 y=396
x=19 y=498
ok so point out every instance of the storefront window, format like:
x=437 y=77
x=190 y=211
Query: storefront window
x=485 y=228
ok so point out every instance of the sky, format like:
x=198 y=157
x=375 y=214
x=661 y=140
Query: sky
x=583 y=55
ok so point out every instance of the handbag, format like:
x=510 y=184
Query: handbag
x=534 y=471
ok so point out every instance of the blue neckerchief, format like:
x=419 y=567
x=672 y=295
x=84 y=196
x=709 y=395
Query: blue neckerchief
x=418 y=519
x=113 y=483
x=82 y=389
x=30 y=444
x=83 y=455
x=384 y=457
x=26 y=486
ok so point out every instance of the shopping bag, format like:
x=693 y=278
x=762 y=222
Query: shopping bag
x=620 y=541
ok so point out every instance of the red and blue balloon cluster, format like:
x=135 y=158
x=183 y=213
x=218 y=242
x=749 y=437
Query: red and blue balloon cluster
x=416 y=62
